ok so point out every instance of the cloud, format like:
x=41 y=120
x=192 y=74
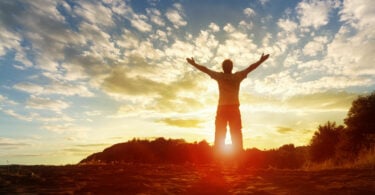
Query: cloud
x=263 y=2
x=286 y=37
x=155 y=16
x=138 y=21
x=91 y=145
x=293 y=58
x=140 y=24
x=34 y=116
x=329 y=100
x=245 y=25
x=214 y=27
x=119 y=82
x=161 y=36
x=176 y=16
x=44 y=28
x=7 y=9
x=73 y=72
x=206 y=45
x=46 y=103
x=285 y=84
x=5 y=101
x=284 y=130
x=66 y=128
x=360 y=13
x=128 y=40
x=93 y=113
x=350 y=52
x=60 y=88
x=317 y=45
x=9 y=40
x=99 y=44
x=90 y=11
x=351 y=55
x=23 y=62
x=12 y=144
x=174 y=96
x=179 y=49
x=287 y=25
x=237 y=46
x=229 y=28
x=85 y=149
x=184 y=123
x=9 y=144
x=319 y=102
x=47 y=29
x=17 y=115
x=315 y=13
x=249 y=12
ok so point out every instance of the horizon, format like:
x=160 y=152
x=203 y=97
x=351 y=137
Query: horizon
x=77 y=77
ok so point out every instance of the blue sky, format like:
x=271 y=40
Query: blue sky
x=78 y=76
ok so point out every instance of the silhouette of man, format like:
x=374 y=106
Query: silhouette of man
x=228 y=107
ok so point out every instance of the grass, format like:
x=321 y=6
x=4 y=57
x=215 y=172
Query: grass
x=364 y=160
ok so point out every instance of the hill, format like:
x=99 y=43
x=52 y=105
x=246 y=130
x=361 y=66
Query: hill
x=177 y=151
x=160 y=150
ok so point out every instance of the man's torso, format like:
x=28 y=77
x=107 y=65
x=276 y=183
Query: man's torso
x=229 y=86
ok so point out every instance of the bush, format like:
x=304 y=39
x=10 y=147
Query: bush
x=324 y=142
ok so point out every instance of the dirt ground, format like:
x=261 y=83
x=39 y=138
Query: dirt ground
x=180 y=179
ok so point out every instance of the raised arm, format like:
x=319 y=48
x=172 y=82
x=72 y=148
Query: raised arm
x=199 y=67
x=256 y=64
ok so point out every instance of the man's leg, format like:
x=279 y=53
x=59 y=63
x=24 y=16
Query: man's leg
x=235 y=125
x=220 y=130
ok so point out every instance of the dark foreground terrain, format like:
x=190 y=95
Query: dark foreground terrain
x=180 y=179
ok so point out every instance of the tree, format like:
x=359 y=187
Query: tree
x=323 y=143
x=360 y=120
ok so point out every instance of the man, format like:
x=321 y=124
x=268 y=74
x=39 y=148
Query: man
x=228 y=107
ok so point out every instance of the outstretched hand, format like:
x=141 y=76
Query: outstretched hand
x=190 y=61
x=264 y=57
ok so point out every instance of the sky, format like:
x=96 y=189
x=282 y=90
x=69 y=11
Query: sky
x=79 y=76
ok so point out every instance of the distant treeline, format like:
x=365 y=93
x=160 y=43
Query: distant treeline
x=160 y=150
x=163 y=150
x=335 y=144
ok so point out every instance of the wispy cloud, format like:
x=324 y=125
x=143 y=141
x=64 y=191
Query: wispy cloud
x=46 y=103
x=13 y=144
x=315 y=13
x=17 y=115
x=176 y=15
x=284 y=130
x=184 y=123
x=59 y=88
x=90 y=10
x=249 y=12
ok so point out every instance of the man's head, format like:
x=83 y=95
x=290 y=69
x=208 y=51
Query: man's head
x=227 y=66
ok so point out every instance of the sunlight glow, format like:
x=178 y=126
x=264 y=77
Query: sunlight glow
x=228 y=139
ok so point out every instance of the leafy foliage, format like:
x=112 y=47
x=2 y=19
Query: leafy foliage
x=360 y=121
x=324 y=141
x=343 y=144
x=361 y=116
x=160 y=150
x=286 y=157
